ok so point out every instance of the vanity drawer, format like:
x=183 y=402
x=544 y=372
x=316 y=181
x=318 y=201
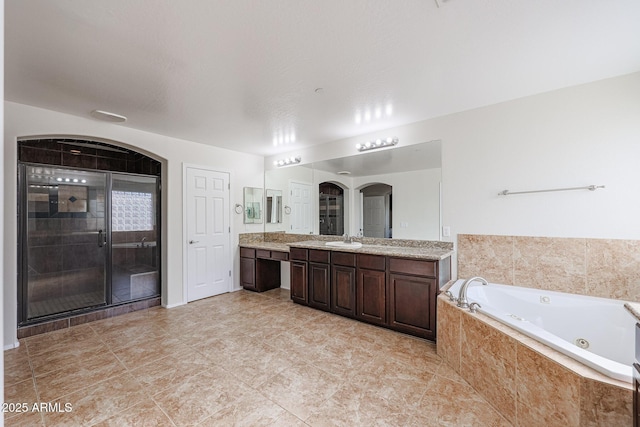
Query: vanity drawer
x=412 y=266
x=319 y=256
x=299 y=254
x=280 y=256
x=262 y=253
x=371 y=262
x=343 y=258
x=247 y=253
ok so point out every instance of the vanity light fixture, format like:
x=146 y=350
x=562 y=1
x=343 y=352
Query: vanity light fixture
x=287 y=161
x=378 y=143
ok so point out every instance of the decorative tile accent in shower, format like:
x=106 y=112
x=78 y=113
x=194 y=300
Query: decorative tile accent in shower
x=608 y=268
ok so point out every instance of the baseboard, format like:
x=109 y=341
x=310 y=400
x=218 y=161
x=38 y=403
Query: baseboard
x=11 y=346
x=173 y=305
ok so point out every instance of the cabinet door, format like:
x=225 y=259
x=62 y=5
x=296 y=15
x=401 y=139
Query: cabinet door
x=299 y=282
x=248 y=273
x=319 y=286
x=371 y=296
x=412 y=305
x=343 y=290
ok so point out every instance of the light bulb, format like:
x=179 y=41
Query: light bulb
x=358 y=146
x=84 y=181
x=378 y=141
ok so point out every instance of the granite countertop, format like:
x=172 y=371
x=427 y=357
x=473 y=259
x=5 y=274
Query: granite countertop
x=431 y=254
x=634 y=309
x=268 y=246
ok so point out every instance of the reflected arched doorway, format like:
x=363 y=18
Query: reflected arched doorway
x=377 y=210
x=331 y=209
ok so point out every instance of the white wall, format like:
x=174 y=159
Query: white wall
x=582 y=135
x=2 y=199
x=245 y=171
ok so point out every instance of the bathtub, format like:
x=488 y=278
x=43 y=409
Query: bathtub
x=597 y=332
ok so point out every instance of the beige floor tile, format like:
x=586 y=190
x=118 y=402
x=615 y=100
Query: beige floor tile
x=147 y=351
x=62 y=340
x=144 y=414
x=453 y=404
x=200 y=396
x=301 y=389
x=358 y=405
x=22 y=392
x=251 y=410
x=23 y=419
x=238 y=359
x=97 y=402
x=171 y=370
x=77 y=376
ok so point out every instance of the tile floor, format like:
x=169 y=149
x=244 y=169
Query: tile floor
x=243 y=359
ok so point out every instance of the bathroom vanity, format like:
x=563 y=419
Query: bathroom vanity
x=390 y=286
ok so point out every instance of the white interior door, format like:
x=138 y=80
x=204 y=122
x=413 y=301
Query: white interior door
x=208 y=233
x=301 y=208
x=374 y=216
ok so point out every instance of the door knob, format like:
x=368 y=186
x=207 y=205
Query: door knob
x=191 y=242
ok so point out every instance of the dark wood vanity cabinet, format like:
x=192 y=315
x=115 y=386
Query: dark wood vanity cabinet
x=371 y=299
x=343 y=284
x=412 y=296
x=319 y=279
x=298 y=269
x=260 y=268
x=397 y=293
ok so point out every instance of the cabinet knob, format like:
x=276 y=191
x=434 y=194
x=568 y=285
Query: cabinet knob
x=191 y=242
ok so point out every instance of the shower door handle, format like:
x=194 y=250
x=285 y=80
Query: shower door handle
x=101 y=239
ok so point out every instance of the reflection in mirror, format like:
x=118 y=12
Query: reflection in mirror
x=288 y=179
x=413 y=171
x=253 y=205
x=331 y=209
x=274 y=206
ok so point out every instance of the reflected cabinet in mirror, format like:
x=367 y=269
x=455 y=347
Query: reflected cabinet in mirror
x=253 y=205
x=274 y=206
x=393 y=193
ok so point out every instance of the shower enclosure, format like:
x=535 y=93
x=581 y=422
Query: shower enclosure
x=88 y=239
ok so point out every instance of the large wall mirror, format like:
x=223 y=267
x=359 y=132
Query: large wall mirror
x=405 y=180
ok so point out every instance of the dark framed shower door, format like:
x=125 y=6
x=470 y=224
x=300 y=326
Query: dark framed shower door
x=64 y=240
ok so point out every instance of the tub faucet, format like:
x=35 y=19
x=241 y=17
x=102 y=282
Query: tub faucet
x=462 y=296
x=142 y=242
x=347 y=238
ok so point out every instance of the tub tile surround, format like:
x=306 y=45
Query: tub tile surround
x=526 y=381
x=607 y=268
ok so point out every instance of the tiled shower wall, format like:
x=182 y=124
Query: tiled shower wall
x=606 y=268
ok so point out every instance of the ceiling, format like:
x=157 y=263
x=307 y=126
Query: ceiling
x=243 y=74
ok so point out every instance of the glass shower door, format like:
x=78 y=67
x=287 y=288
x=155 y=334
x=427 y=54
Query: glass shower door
x=66 y=240
x=134 y=237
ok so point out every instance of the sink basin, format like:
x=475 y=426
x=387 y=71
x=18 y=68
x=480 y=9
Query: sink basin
x=354 y=245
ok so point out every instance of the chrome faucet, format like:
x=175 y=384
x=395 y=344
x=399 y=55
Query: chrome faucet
x=462 y=296
x=347 y=238
x=142 y=242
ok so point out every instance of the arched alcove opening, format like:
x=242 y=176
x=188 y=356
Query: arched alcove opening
x=89 y=231
x=376 y=208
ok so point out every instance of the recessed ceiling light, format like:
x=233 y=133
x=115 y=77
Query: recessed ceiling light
x=107 y=116
x=344 y=173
